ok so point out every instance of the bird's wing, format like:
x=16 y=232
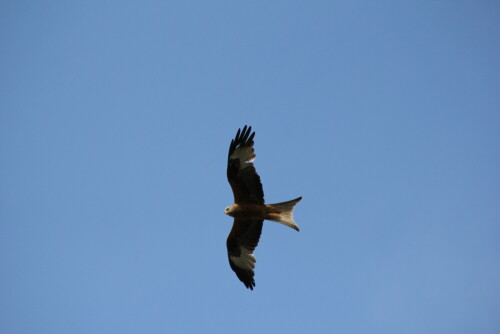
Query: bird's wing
x=241 y=173
x=241 y=242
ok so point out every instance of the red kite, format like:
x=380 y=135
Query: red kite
x=249 y=210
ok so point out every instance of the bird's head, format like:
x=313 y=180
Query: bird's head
x=228 y=210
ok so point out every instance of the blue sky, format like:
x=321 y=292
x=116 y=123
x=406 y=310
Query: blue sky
x=115 y=121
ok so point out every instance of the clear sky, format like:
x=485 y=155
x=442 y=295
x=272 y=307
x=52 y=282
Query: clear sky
x=116 y=118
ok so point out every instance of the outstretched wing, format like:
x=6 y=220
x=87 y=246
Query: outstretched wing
x=241 y=242
x=241 y=173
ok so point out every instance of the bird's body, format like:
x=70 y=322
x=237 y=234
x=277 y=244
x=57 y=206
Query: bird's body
x=262 y=211
x=252 y=211
x=249 y=210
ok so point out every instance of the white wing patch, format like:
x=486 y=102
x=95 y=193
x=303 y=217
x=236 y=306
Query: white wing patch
x=246 y=260
x=244 y=154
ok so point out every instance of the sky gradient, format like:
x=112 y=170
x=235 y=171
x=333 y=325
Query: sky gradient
x=115 y=121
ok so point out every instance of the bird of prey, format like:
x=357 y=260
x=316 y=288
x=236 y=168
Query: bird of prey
x=249 y=210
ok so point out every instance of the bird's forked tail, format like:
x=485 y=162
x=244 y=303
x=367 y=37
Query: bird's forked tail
x=283 y=213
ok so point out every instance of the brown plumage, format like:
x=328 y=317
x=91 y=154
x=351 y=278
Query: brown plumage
x=249 y=210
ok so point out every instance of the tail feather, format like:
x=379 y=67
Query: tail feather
x=285 y=213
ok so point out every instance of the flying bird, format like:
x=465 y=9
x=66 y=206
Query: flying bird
x=249 y=210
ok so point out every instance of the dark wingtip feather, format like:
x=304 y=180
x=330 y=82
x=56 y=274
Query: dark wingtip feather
x=250 y=139
x=243 y=136
x=249 y=284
